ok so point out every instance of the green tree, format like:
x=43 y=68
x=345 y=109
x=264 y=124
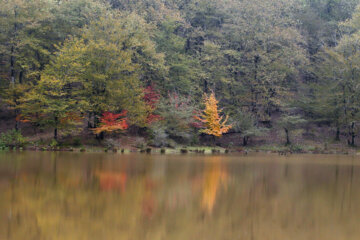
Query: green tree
x=177 y=119
x=335 y=96
x=29 y=32
x=245 y=123
x=288 y=123
x=264 y=48
x=183 y=69
x=58 y=94
x=113 y=76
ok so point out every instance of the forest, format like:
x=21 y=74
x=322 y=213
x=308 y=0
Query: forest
x=233 y=73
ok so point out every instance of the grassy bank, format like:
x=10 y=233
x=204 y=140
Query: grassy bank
x=86 y=142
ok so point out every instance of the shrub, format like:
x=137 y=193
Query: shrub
x=12 y=138
x=159 y=136
x=53 y=143
x=76 y=142
x=110 y=143
x=140 y=143
x=296 y=148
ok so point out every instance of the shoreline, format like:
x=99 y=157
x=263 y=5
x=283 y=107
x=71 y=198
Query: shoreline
x=201 y=150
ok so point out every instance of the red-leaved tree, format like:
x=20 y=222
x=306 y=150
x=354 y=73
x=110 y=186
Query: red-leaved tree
x=110 y=122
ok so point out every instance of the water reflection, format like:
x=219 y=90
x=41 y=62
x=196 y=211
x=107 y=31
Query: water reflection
x=110 y=181
x=113 y=196
x=215 y=176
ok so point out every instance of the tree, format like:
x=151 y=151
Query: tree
x=320 y=21
x=176 y=112
x=213 y=123
x=110 y=122
x=106 y=55
x=341 y=85
x=336 y=94
x=288 y=123
x=113 y=79
x=264 y=55
x=59 y=91
x=245 y=124
x=22 y=45
x=22 y=50
x=51 y=103
x=183 y=69
x=30 y=30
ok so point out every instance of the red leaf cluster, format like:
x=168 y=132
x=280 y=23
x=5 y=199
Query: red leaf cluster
x=111 y=119
x=111 y=122
x=153 y=118
x=151 y=98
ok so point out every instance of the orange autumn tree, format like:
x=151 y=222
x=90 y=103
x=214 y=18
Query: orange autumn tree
x=110 y=122
x=211 y=120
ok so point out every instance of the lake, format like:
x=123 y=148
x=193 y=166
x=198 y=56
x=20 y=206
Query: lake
x=57 y=195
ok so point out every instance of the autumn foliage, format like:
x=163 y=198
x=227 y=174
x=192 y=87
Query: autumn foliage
x=213 y=123
x=151 y=98
x=110 y=122
x=71 y=117
x=26 y=118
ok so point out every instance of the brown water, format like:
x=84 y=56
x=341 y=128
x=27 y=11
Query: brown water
x=181 y=197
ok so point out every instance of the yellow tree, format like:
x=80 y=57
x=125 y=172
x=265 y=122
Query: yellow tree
x=212 y=122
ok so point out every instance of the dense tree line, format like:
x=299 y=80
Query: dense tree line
x=270 y=63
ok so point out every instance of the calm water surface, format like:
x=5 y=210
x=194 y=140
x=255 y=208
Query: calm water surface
x=164 y=197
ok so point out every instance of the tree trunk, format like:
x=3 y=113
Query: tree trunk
x=12 y=52
x=287 y=136
x=100 y=136
x=253 y=91
x=337 y=137
x=245 y=141
x=17 y=120
x=56 y=129
x=205 y=86
x=21 y=76
x=17 y=125
x=351 y=135
x=96 y=120
x=55 y=133
x=12 y=66
x=90 y=125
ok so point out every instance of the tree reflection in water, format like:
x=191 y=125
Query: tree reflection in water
x=215 y=176
x=144 y=197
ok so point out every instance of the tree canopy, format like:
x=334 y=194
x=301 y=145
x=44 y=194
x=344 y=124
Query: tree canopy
x=84 y=58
